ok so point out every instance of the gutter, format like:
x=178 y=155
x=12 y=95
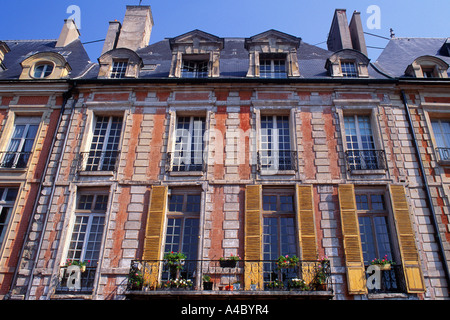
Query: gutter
x=427 y=189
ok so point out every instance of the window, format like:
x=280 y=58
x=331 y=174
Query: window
x=272 y=68
x=21 y=143
x=349 y=70
x=428 y=72
x=278 y=232
x=194 y=69
x=275 y=152
x=441 y=130
x=7 y=199
x=119 y=69
x=87 y=233
x=373 y=226
x=361 y=153
x=189 y=144
x=183 y=229
x=43 y=70
x=104 y=149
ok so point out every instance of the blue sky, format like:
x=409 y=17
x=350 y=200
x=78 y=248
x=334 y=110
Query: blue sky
x=310 y=20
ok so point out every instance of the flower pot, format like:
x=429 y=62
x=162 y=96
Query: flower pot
x=229 y=288
x=321 y=287
x=207 y=285
x=236 y=286
x=385 y=267
x=253 y=287
x=228 y=263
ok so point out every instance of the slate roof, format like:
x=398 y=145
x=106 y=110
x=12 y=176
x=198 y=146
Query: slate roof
x=234 y=61
x=74 y=53
x=401 y=52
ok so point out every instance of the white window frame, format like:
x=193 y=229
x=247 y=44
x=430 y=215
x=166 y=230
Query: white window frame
x=10 y=206
x=196 y=66
x=272 y=74
x=46 y=71
x=349 y=69
x=118 y=69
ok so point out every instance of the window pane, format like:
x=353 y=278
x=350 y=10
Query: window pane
x=367 y=240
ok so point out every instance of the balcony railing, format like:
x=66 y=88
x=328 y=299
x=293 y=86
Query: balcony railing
x=366 y=160
x=391 y=281
x=99 y=161
x=276 y=160
x=68 y=282
x=179 y=162
x=206 y=275
x=11 y=159
x=443 y=154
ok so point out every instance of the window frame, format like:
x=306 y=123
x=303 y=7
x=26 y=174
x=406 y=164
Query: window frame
x=118 y=69
x=10 y=205
x=274 y=62
x=349 y=73
x=200 y=68
x=45 y=65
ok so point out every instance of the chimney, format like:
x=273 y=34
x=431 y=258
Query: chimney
x=112 y=36
x=69 y=33
x=339 y=36
x=357 y=33
x=136 y=28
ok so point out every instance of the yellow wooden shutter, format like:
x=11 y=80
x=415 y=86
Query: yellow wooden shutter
x=305 y=221
x=253 y=236
x=153 y=235
x=356 y=274
x=406 y=240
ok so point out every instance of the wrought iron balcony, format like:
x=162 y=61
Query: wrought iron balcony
x=11 y=159
x=277 y=160
x=244 y=276
x=443 y=154
x=98 y=161
x=179 y=162
x=366 y=160
x=391 y=281
x=68 y=281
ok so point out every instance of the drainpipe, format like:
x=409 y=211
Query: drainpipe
x=66 y=96
x=427 y=189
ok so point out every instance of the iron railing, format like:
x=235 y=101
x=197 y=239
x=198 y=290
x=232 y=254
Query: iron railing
x=98 y=161
x=198 y=275
x=366 y=160
x=67 y=282
x=13 y=159
x=181 y=162
x=277 y=160
x=391 y=280
x=443 y=154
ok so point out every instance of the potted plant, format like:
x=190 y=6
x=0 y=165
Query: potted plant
x=207 y=283
x=229 y=262
x=237 y=285
x=321 y=274
x=383 y=264
x=135 y=279
x=81 y=264
x=284 y=262
x=175 y=259
x=253 y=286
x=298 y=284
x=275 y=285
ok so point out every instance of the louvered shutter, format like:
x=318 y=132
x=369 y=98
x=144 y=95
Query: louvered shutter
x=305 y=221
x=356 y=277
x=154 y=234
x=406 y=240
x=253 y=236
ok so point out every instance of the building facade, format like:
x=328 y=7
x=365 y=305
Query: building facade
x=305 y=163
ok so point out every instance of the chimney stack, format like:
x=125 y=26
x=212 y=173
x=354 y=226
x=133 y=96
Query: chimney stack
x=136 y=28
x=69 y=33
x=345 y=36
x=357 y=33
x=112 y=36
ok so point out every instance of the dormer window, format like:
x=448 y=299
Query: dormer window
x=427 y=67
x=43 y=70
x=348 y=63
x=273 y=55
x=193 y=68
x=45 y=65
x=119 y=69
x=349 y=69
x=195 y=54
x=272 y=66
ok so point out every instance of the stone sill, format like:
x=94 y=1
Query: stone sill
x=186 y=173
x=375 y=296
x=277 y=173
x=368 y=172
x=96 y=173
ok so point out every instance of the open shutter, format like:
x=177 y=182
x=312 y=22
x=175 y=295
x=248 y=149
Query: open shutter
x=253 y=236
x=153 y=234
x=406 y=240
x=356 y=277
x=305 y=221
